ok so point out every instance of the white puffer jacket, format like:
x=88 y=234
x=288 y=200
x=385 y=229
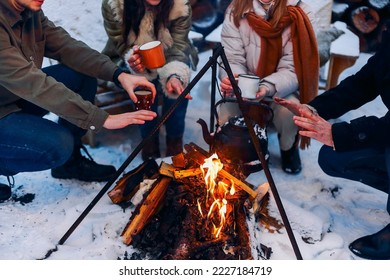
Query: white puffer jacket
x=242 y=47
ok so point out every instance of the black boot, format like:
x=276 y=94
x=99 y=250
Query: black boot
x=174 y=146
x=373 y=247
x=291 y=161
x=151 y=149
x=83 y=169
x=5 y=190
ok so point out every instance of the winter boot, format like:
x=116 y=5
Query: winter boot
x=174 y=146
x=5 y=191
x=291 y=161
x=83 y=169
x=151 y=149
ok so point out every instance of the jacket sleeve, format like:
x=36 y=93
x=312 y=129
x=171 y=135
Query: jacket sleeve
x=24 y=79
x=372 y=80
x=116 y=46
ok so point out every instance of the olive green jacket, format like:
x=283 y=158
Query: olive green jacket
x=25 y=39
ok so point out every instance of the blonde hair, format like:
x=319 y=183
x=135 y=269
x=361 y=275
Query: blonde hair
x=238 y=7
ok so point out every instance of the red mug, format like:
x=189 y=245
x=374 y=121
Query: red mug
x=144 y=100
x=152 y=54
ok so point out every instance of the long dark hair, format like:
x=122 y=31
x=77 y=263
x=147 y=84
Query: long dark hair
x=134 y=11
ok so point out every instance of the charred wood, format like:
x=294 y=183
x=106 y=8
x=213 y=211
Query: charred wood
x=128 y=184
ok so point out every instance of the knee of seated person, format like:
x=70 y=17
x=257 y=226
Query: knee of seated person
x=325 y=159
x=62 y=149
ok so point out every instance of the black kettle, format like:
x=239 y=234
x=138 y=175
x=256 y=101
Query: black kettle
x=232 y=141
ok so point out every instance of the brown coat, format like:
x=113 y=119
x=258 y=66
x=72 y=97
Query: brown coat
x=24 y=42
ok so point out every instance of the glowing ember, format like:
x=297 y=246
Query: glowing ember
x=216 y=194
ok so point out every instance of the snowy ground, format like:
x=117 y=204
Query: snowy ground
x=328 y=212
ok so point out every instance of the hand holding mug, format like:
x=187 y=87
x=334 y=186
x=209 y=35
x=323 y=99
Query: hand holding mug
x=263 y=91
x=135 y=61
x=226 y=87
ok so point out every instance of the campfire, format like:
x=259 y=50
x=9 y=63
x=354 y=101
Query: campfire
x=193 y=208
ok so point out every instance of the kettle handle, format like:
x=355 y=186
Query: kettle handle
x=263 y=119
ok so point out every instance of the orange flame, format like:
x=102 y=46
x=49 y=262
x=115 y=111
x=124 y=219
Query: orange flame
x=217 y=191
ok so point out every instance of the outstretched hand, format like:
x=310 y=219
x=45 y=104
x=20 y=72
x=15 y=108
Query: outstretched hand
x=292 y=106
x=175 y=86
x=310 y=124
x=125 y=119
x=313 y=126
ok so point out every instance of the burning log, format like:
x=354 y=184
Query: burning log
x=198 y=155
x=176 y=173
x=189 y=213
x=179 y=232
x=146 y=209
x=167 y=169
x=179 y=160
x=180 y=174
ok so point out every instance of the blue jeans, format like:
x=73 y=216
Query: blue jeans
x=29 y=142
x=369 y=166
x=175 y=124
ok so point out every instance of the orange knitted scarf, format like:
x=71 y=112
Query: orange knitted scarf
x=305 y=51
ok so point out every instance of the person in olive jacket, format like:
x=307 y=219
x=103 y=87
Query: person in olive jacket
x=358 y=150
x=29 y=142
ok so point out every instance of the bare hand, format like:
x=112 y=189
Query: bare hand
x=263 y=91
x=130 y=82
x=175 y=86
x=125 y=119
x=314 y=126
x=226 y=87
x=135 y=61
x=292 y=106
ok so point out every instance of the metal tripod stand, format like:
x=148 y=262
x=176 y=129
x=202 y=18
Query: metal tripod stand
x=212 y=62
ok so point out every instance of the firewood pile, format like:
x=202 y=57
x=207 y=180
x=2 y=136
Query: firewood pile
x=367 y=19
x=179 y=216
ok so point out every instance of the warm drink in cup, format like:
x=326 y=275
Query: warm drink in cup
x=144 y=100
x=249 y=85
x=152 y=54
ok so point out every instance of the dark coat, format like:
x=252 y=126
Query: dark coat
x=371 y=81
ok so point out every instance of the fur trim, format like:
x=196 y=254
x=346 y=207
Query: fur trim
x=179 y=9
x=117 y=7
x=174 y=67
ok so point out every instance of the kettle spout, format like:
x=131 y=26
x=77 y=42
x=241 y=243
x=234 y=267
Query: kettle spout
x=205 y=131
